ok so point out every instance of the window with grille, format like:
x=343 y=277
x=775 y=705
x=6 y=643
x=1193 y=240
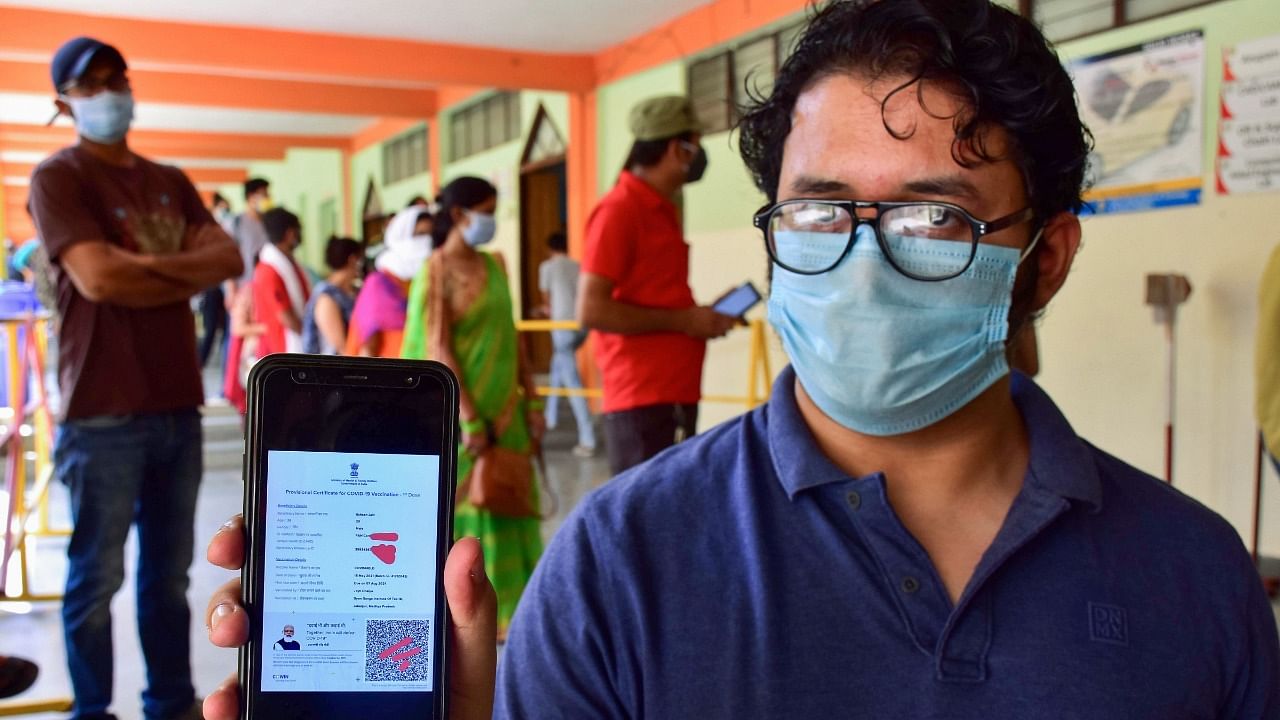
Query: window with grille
x=710 y=93
x=404 y=156
x=721 y=84
x=484 y=124
x=755 y=65
x=1069 y=19
x=787 y=39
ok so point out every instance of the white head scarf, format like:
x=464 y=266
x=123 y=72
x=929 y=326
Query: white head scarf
x=404 y=253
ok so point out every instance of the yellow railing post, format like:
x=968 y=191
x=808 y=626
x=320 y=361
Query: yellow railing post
x=25 y=347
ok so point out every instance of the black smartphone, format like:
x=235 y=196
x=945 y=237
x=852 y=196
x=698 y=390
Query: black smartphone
x=738 y=301
x=348 y=509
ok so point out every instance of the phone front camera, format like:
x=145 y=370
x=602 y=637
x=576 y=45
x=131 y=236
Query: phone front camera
x=408 y=380
x=302 y=375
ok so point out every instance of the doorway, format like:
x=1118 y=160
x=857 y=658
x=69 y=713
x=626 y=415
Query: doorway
x=543 y=210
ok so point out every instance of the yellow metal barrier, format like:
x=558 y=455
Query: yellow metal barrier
x=26 y=345
x=759 y=372
x=34 y=706
x=27 y=516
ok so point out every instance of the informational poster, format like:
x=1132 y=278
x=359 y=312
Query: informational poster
x=350 y=563
x=1249 y=121
x=1145 y=106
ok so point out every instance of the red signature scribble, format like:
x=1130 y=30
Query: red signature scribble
x=385 y=553
x=404 y=657
x=385 y=537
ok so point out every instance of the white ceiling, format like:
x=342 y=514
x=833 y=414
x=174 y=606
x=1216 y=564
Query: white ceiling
x=24 y=109
x=560 y=26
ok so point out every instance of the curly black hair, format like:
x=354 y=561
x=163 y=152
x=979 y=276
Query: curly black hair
x=999 y=63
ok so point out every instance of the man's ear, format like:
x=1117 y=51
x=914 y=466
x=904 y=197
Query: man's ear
x=63 y=109
x=1058 y=246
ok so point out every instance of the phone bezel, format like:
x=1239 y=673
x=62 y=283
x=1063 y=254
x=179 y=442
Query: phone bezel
x=352 y=373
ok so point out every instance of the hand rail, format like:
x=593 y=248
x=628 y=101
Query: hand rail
x=759 y=371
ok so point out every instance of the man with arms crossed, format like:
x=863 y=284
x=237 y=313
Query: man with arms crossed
x=130 y=243
x=905 y=530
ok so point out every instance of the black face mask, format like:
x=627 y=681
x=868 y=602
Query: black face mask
x=697 y=166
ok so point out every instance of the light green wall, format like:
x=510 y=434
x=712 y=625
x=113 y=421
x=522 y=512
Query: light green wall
x=301 y=183
x=366 y=166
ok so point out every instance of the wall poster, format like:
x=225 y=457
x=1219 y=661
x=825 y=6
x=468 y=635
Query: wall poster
x=1145 y=106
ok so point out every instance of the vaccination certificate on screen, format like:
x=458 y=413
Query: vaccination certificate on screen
x=350 y=565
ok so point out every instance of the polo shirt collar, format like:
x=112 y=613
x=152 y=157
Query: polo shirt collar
x=1061 y=464
x=644 y=192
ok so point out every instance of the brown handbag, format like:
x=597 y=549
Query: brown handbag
x=501 y=480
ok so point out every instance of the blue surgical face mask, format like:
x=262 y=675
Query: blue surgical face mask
x=883 y=354
x=103 y=118
x=479 y=231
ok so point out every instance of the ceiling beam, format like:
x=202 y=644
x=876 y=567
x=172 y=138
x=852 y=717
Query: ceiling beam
x=291 y=55
x=174 y=144
x=184 y=88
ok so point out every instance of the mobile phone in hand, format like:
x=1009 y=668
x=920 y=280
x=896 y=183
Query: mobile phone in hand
x=738 y=301
x=349 y=477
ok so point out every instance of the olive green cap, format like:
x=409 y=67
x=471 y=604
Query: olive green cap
x=663 y=117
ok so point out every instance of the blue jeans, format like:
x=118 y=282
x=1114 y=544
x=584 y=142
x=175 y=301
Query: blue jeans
x=142 y=469
x=564 y=374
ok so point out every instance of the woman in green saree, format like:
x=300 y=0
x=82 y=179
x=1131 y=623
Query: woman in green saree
x=460 y=313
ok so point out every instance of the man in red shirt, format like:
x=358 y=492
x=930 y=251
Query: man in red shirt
x=650 y=334
x=130 y=242
x=280 y=287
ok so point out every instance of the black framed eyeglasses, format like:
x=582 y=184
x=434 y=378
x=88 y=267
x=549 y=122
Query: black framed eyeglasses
x=927 y=241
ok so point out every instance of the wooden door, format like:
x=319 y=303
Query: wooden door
x=543 y=211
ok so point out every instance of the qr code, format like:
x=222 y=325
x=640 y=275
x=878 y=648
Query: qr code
x=397 y=651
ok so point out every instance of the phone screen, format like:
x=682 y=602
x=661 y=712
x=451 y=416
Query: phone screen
x=350 y=526
x=738 y=302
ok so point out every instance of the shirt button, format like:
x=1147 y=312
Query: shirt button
x=910 y=585
x=854 y=499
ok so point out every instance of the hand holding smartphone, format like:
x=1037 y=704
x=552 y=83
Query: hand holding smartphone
x=350 y=469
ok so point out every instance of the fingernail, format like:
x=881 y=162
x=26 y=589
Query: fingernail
x=219 y=612
x=477 y=566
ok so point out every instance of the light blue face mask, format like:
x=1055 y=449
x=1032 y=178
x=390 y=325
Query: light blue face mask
x=480 y=230
x=103 y=118
x=883 y=354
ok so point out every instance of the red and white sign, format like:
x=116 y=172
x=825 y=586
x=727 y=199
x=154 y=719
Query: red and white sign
x=1249 y=118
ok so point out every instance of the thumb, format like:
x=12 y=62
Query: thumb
x=473 y=605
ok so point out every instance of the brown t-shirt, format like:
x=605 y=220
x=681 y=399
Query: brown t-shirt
x=115 y=360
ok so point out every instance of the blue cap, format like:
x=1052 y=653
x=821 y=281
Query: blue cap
x=73 y=58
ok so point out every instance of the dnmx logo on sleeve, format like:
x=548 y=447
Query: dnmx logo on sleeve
x=355 y=470
x=1108 y=624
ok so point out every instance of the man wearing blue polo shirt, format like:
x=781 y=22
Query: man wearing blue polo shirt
x=905 y=530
